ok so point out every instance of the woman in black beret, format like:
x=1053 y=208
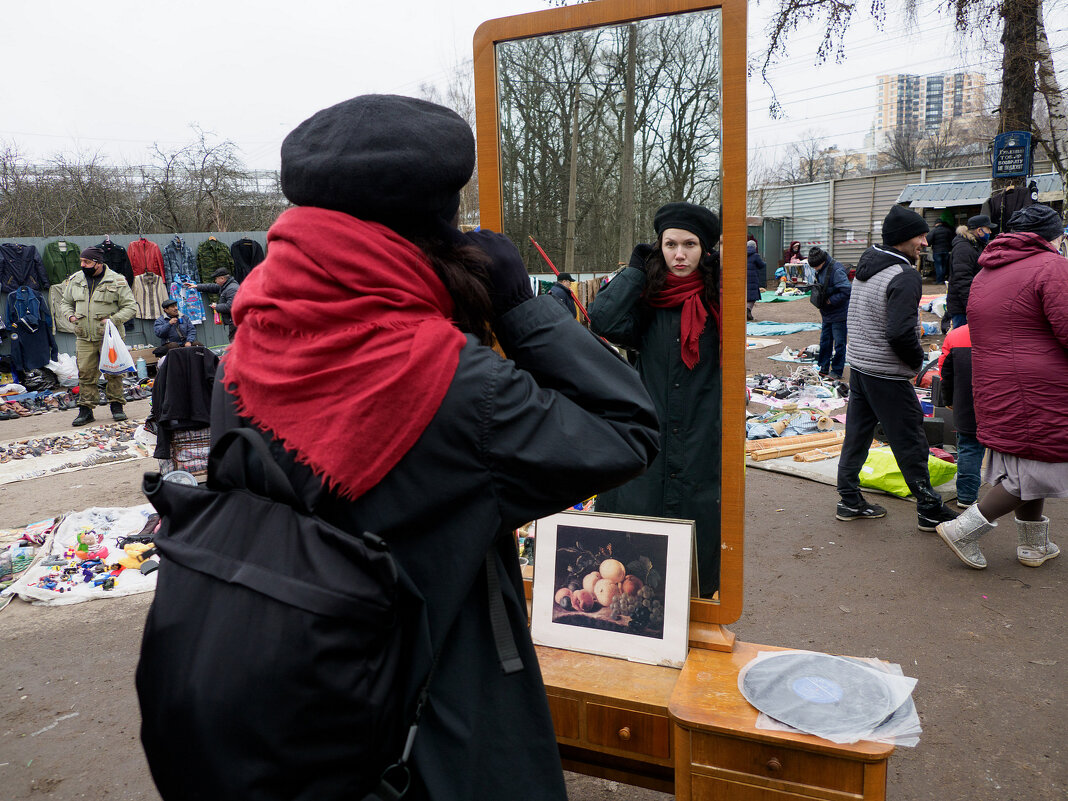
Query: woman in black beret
x=362 y=356
x=666 y=305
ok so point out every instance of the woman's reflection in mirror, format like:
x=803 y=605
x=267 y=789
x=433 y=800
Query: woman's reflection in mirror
x=665 y=304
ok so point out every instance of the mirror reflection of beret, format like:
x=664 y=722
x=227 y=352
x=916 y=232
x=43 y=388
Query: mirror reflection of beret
x=385 y=158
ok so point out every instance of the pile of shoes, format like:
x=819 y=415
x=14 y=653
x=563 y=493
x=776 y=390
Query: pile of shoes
x=804 y=384
x=107 y=439
x=37 y=404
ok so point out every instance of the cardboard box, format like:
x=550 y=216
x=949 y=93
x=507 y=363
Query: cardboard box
x=143 y=353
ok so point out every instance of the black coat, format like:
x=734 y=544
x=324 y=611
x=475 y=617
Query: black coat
x=247 y=254
x=964 y=264
x=513 y=441
x=684 y=481
x=754 y=275
x=564 y=296
x=941 y=238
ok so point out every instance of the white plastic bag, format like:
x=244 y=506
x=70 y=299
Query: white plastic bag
x=115 y=357
x=66 y=370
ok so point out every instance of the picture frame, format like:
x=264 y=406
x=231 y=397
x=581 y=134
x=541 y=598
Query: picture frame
x=614 y=585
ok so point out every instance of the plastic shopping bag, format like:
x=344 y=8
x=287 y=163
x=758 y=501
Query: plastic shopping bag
x=115 y=357
x=880 y=471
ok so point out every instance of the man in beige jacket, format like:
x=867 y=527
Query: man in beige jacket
x=90 y=298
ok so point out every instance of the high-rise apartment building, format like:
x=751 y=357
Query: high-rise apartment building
x=926 y=101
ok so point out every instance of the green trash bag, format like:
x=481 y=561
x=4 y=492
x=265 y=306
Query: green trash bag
x=880 y=471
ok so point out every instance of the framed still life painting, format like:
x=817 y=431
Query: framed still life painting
x=613 y=585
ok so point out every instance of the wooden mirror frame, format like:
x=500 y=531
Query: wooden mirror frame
x=706 y=617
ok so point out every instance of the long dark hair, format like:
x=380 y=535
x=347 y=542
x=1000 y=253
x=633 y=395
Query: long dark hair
x=656 y=273
x=462 y=267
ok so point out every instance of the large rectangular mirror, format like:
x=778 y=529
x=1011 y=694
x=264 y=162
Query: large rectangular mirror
x=592 y=116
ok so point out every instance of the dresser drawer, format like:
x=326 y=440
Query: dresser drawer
x=627 y=730
x=565 y=712
x=775 y=764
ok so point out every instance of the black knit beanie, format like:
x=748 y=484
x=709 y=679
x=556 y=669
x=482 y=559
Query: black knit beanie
x=1038 y=219
x=689 y=217
x=901 y=225
x=386 y=158
x=817 y=256
x=93 y=254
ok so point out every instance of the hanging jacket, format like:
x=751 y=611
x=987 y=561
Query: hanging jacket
x=55 y=297
x=1018 y=319
x=964 y=264
x=21 y=265
x=246 y=253
x=61 y=260
x=149 y=292
x=178 y=259
x=684 y=480
x=211 y=255
x=30 y=327
x=884 y=315
x=116 y=258
x=110 y=297
x=145 y=256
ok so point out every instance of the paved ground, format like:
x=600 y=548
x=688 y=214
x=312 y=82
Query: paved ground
x=987 y=647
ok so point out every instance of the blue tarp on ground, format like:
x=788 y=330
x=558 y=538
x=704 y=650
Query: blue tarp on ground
x=767 y=328
x=771 y=297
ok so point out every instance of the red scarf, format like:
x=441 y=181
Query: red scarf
x=345 y=345
x=686 y=292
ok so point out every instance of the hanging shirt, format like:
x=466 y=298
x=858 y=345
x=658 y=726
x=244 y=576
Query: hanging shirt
x=149 y=292
x=189 y=302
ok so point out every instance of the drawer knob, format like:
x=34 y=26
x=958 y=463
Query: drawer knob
x=774 y=765
x=624 y=733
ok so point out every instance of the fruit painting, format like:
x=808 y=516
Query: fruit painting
x=610 y=580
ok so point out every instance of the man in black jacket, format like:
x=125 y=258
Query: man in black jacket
x=561 y=290
x=941 y=239
x=226 y=287
x=885 y=355
x=967 y=245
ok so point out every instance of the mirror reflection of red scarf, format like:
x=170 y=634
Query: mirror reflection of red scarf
x=345 y=345
x=686 y=292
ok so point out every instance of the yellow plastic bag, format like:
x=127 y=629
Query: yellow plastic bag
x=880 y=471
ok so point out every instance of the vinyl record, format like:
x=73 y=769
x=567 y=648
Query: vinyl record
x=818 y=693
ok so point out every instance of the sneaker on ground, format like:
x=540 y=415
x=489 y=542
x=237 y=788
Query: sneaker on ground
x=929 y=519
x=866 y=511
x=963 y=504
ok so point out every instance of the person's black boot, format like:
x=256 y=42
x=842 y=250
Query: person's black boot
x=116 y=411
x=930 y=511
x=85 y=416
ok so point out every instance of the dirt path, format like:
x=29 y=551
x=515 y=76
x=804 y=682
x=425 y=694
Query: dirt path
x=988 y=647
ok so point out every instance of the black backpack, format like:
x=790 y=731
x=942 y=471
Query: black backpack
x=276 y=656
x=820 y=290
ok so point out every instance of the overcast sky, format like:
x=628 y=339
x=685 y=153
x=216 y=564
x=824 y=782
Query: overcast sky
x=114 y=76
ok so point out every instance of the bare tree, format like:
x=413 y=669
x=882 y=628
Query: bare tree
x=459 y=95
x=902 y=148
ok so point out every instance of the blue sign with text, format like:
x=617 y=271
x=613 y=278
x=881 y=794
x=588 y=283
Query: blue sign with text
x=1012 y=154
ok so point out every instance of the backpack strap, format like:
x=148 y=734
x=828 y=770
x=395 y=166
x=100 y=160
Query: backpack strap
x=507 y=651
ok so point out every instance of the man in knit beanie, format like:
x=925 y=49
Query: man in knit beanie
x=884 y=356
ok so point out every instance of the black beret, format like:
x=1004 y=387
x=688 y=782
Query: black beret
x=689 y=217
x=901 y=225
x=221 y=272
x=386 y=158
x=1039 y=219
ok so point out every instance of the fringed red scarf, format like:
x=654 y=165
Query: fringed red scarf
x=345 y=345
x=686 y=292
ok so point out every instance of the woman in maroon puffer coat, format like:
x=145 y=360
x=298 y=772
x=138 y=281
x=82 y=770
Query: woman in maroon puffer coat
x=1018 y=316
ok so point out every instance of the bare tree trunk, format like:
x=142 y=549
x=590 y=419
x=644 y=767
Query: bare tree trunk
x=1057 y=147
x=572 y=189
x=626 y=189
x=1017 y=69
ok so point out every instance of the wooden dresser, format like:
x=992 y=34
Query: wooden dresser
x=692 y=733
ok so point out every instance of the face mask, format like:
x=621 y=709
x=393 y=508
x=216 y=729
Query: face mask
x=983 y=237
x=89 y=272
